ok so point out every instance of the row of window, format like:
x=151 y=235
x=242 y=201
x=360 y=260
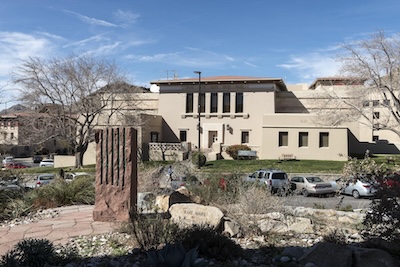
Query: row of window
x=213 y=107
x=375 y=103
x=283 y=138
x=5 y=135
x=8 y=124
x=303 y=139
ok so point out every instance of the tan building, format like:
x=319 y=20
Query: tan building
x=274 y=119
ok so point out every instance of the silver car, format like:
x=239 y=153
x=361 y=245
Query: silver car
x=43 y=179
x=311 y=185
x=360 y=188
x=272 y=178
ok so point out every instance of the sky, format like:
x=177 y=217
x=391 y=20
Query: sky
x=296 y=40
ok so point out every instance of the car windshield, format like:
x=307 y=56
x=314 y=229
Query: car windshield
x=314 y=179
x=279 y=176
x=46 y=177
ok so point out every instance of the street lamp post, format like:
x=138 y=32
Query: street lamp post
x=198 y=124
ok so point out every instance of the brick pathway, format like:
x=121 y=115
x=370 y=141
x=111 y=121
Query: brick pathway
x=72 y=222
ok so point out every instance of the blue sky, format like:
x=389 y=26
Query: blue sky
x=157 y=39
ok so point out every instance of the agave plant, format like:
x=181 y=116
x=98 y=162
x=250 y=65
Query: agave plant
x=173 y=255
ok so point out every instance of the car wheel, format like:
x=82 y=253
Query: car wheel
x=356 y=194
x=305 y=192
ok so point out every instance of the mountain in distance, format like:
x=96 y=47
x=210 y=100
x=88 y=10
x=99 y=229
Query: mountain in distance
x=14 y=109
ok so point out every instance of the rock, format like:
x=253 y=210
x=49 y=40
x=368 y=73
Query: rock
x=195 y=214
x=162 y=203
x=231 y=227
x=295 y=252
x=367 y=257
x=282 y=224
x=328 y=255
x=183 y=195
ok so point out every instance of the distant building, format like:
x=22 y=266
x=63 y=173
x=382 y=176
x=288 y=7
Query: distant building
x=274 y=119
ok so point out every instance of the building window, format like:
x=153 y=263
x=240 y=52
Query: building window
x=239 y=103
x=183 y=136
x=214 y=103
x=365 y=103
x=245 y=137
x=386 y=102
x=283 y=138
x=202 y=99
x=189 y=103
x=375 y=103
x=376 y=115
x=375 y=138
x=303 y=139
x=323 y=139
x=154 y=137
x=12 y=136
x=227 y=103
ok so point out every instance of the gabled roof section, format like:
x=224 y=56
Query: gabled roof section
x=224 y=80
x=336 y=81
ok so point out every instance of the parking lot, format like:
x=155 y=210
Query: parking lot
x=327 y=202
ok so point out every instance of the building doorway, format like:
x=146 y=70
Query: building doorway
x=212 y=138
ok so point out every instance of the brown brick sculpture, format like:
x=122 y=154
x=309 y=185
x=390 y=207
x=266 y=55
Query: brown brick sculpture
x=116 y=174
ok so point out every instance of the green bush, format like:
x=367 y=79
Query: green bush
x=30 y=252
x=233 y=150
x=195 y=159
x=383 y=220
x=150 y=230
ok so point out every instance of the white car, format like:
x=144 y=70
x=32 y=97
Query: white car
x=8 y=160
x=69 y=176
x=47 y=163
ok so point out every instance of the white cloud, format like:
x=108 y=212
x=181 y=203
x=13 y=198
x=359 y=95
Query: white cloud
x=126 y=17
x=310 y=66
x=92 y=21
x=14 y=47
x=17 y=46
x=96 y=38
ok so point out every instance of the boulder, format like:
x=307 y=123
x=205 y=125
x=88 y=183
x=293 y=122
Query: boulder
x=183 y=195
x=369 y=257
x=328 y=255
x=188 y=214
x=231 y=227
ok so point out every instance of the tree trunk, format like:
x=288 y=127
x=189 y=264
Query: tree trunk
x=80 y=152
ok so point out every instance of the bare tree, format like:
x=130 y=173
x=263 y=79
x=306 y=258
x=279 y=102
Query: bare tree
x=375 y=62
x=75 y=93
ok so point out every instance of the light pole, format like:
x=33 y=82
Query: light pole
x=198 y=125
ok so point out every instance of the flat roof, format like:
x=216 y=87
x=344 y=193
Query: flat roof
x=225 y=79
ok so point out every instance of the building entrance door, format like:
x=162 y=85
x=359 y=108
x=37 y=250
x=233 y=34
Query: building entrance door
x=212 y=138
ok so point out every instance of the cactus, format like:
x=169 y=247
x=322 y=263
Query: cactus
x=173 y=255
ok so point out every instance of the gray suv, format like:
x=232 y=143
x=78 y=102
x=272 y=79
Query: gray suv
x=273 y=178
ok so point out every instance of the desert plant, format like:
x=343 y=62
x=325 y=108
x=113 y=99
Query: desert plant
x=12 y=204
x=151 y=230
x=61 y=193
x=211 y=244
x=336 y=236
x=233 y=150
x=383 y=219
x=173 y=255
x=30 y=252
x=198 y=158
x=256 y=199
x=365 y=166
